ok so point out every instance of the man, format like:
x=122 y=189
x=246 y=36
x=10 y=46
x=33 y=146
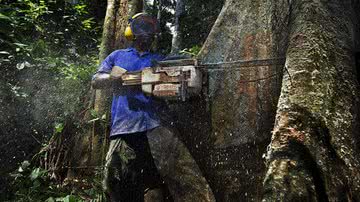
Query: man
x=143 y=151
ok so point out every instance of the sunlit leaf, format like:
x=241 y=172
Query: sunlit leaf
x=93 y=120
x=35 y=174
x=4 y=53
x=20 y=44
x=69 y=198
x=4 y=17
x=25 y=164
x=94 y=113
x=59 y=127
x=51 y=199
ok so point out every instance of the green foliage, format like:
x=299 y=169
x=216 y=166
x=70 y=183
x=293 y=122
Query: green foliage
x=31 y=28
x=194 y=51
x=29 y=184
x=59 y=127
x=35 y=184
x=198 y=20
x=48 y=53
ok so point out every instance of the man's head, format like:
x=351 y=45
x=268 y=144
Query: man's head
x=142 y=30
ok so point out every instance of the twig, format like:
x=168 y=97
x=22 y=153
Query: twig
x=35 y=139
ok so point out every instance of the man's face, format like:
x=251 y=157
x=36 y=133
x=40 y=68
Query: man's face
x=144 y=42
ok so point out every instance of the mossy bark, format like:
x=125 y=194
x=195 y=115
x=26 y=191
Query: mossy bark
x=314 y=151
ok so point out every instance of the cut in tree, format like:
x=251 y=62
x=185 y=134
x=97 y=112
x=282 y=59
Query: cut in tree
x=241 y=112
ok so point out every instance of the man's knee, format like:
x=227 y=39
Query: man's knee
x=162 y=136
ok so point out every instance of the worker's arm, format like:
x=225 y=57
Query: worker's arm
x=108 y=73
x=103 y=80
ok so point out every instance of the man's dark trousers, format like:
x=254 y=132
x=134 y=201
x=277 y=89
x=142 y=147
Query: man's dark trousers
x=143 y=160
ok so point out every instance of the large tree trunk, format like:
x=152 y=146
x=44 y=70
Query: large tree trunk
x=240 y=112
x=314 y=152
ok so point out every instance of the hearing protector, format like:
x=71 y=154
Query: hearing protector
x=141 y=24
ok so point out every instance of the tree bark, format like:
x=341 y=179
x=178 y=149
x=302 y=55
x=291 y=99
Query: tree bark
x=176 y=40
x=240 y=112
x=314 y=152
x=313 y=155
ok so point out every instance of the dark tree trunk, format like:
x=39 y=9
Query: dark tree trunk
x=314 y=152
x=314 y=148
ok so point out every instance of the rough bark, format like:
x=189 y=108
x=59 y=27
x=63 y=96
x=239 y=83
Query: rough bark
x=240 y=113
x=114 y=24
x=314 y=152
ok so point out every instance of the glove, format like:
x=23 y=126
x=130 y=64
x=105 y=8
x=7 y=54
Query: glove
x=117 y=72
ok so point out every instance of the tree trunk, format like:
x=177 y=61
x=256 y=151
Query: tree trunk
x=314 y=152
x=157 y=6
x=240 y=112
x=90 y=146
x=176 y=40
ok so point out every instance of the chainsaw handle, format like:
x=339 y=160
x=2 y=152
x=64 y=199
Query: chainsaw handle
x=106 y=80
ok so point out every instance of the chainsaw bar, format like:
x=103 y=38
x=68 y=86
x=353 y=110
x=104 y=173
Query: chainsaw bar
x=224 y=66
x=180 y=79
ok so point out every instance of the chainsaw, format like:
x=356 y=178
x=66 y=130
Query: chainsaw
x=181 y=79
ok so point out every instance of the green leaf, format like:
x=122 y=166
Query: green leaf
x=59 y=127
x=36 y=184
x=4 y=60
x=94 y=113
x=69 y=198
x=4 y=17
x=93 y=120
x=4 y=53
x=51 y=199
x=20 y=44
x=36 y=173
x=24 y=166
x=192 y=51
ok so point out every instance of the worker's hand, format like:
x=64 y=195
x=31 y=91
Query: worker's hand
x=117 y=72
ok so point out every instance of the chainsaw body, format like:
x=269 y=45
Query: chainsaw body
x=178 y=79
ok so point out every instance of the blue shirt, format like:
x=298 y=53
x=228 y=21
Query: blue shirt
x=131 y=110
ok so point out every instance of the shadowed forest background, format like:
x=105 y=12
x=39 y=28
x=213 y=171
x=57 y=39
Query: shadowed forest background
x=292 y=137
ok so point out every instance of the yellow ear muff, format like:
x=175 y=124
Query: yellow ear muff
x=128 y=33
